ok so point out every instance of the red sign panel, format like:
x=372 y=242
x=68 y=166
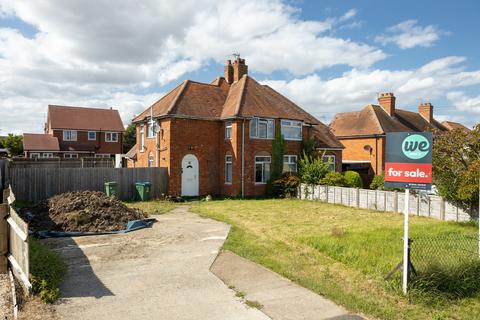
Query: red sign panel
x=408 y=172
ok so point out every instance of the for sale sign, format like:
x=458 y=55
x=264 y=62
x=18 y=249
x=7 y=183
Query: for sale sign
x=408 y=160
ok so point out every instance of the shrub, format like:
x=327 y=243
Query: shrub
x=377 y=183
x=46 y=271
x=353 y=179
x=312 y=170
x=334 y=179
x=286 y=186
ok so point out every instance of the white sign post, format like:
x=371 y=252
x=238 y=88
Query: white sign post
x=405 y=241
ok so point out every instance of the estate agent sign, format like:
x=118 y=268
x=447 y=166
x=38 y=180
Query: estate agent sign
x=408 y=160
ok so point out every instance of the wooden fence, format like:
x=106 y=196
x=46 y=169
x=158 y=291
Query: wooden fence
x=390 y=201
x=14 y=240
x=34 y=184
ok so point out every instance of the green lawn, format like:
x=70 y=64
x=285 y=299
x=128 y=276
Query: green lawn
x=341 y=253
x=153 y=207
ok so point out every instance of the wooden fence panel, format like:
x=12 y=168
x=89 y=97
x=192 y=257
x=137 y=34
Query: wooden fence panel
x=34 y=184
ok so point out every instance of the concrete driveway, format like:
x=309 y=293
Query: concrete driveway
x=157 y=273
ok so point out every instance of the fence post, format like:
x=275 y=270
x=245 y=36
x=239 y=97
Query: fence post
x=395 y=201
x=326 y=194
x=357 y=200
x=429 y=206
x=3 y=238
x=418 y=204
x=442 y=209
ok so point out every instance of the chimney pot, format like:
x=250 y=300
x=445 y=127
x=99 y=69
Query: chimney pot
x=387 y=102
x=426 y=111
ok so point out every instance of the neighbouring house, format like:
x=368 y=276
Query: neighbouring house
x=75 y=132
x=363 y=132
x=450 y=125
x=217 y=138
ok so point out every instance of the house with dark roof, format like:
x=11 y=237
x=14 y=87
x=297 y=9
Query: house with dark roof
x=363 y=132
x=217 y=138
x=450 y=125
x=75 y=132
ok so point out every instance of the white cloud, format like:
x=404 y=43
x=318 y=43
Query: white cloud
x=408 y=34
x=357 y=88
x=92 y=50
x=464 y=103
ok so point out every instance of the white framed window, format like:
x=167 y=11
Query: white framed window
x=291 y=130
x=290 y=163
x=150 y=160
x=47 y=155
x=228 y=130
x=151 y=129
x=330 y=159
x=262 y=128
x=111 y=137
x=34 y=155
x=92 y=136
x=101 y=155
x=142 y=138
x=69 y=135
x=262 y=169
x=228 y=168
x=70 y=155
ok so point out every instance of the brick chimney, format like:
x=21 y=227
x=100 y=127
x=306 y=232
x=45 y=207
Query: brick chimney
x=387 y=102
x=426 y=111
x=228 y=71
x=239 y=68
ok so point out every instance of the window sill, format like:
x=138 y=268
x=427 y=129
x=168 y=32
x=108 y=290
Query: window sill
x=260 y=183
x=228 y=183
x=292 y=139
x=261 y=138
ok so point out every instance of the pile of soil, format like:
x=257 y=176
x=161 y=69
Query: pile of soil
x=80 y=211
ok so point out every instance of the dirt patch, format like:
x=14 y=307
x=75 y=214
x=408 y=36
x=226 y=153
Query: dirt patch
x=34 y=309
x=80 y=211
x=6 y=307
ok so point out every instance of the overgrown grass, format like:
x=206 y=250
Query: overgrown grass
x=153 y=207
x=46 y=271
x=345 y=253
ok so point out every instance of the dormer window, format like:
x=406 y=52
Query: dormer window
x=291 y=130
x=262 y=128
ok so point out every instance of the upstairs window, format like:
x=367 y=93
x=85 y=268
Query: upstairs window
x=111 y=137
x=142 y=138
x=290 y=163
x=228 y=169
x=69 y=135
x=262 y=128
x=92 y=135
x=152 y=129
x=330 y=159
x=228 y=130
x=291 y=130
x=262 y=169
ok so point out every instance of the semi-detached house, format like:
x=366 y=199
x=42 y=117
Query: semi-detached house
x=76 y=132
x=217 y=138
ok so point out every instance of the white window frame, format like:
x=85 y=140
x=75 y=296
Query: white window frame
x=69 y=135
x=330 y=159
x=255 y=123
x=111 y=134
x=70 y=155
x=102 y=155
x=228 y=164
x=34 y=155
x=151 y=160
x=94 y=135
x=151 y=129
x=263 y=163
x=228 y=130
x=47 y=155
x=142 y=138
x=291 y=160
x=289 y=124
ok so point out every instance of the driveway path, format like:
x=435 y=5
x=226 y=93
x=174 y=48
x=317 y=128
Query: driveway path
x=157 y=273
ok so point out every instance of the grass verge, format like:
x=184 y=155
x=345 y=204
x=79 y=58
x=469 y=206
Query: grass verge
x=46 y=271
x=343 y=253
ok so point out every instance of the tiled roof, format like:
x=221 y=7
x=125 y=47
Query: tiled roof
x=450 y=125
x=79 y=118
x=324 y=138
x=417 y=122
x=132 y=153
x=40 y=142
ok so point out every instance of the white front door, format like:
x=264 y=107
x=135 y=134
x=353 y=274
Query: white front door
x=190 y=176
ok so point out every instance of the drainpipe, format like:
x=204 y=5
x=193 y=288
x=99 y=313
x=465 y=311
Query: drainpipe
x=243 y=158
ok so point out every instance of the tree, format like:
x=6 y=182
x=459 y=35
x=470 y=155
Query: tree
x=129 y=137
x=278 y=149
x=13 y=144
x=312 y=170
x=456 y=167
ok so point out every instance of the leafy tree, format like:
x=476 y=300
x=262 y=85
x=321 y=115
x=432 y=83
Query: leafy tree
x=312 y=170
x=308 y=147
x=456 y=167
x=13 y=144
x=278 y=149
x=353 y=179
x=334 y=178
x=129 y=137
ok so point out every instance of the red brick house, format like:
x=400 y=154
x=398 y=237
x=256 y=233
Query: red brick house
x=74 y=132
x=217 y=138
x=363 y=132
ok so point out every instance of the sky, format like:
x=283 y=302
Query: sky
x=327 y=56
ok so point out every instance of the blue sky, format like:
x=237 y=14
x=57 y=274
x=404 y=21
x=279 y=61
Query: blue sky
x=327 y=56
